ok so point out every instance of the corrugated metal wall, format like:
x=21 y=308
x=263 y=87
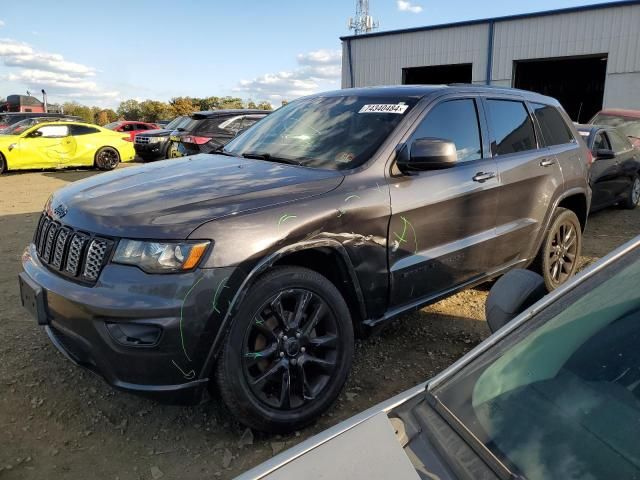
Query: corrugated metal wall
x=379 y=60
x=615 y=31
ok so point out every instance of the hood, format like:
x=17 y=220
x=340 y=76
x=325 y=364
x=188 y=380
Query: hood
x=169 y=199
x=162 y=132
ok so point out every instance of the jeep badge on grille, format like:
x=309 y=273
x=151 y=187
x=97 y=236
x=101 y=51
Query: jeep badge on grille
x=61 y=210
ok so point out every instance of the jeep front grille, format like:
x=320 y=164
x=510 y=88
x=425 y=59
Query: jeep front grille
x=71 y=253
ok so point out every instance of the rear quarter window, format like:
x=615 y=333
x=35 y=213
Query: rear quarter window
x=555 y=130
x=511 y=127
x=76 y=130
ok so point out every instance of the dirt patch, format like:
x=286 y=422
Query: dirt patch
x=58 y=421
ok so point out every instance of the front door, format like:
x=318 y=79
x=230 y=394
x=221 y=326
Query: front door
x=604 y=174
x=45 y=147
x=443 y=220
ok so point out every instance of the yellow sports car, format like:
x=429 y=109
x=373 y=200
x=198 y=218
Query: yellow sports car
x=60 y=144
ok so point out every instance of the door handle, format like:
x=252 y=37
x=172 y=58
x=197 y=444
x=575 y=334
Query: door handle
x=547 y=163
x=483 y=176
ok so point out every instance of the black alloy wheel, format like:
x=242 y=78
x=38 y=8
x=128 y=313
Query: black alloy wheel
x=107 y=158
x=288 y=353
x=561 y=248
x=3 y=164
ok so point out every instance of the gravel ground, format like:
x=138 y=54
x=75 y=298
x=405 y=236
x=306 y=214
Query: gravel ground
x=58 y=421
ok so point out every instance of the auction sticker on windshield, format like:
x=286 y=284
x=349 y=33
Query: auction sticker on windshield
x=398 y=108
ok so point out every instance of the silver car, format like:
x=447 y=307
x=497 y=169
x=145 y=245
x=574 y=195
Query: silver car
x=553 y=393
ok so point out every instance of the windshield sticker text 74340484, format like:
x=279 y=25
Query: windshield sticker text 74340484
x=398 y=108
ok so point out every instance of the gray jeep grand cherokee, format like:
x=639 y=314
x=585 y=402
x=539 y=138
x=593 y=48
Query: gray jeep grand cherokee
x=251 y=270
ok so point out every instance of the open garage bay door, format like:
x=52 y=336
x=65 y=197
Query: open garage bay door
x=577 y=82
x=437 y=74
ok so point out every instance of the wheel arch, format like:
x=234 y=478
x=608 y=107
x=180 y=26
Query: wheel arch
x=576 y=202
x=321 y=254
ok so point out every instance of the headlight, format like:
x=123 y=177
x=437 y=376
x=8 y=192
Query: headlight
x=160 y=257
x=156 y=139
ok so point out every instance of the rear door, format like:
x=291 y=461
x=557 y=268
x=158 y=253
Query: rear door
x=443 y=221
x=627 y=161
x=530 y=177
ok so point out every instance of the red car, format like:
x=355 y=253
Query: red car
x=131 y=128
x=626 y=121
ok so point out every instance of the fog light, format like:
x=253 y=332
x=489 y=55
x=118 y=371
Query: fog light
x=134 y=334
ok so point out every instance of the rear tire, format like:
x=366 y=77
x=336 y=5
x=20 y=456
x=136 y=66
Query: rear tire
x=278 y=370
x=3 y=164
x=557 y=260
x=633 y=195
x=107 y=158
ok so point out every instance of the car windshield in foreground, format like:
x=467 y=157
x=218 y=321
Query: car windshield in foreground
x=336 y=132
x=627 y=125
x=560 y=396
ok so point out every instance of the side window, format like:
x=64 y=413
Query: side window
x=619 y=143
x=127 y=127
x=511 y=127
x=456 y=121
x=232 y=125
x=212 y=126
x=141 y=126
x=248 y=121
x=601 y=142
x=82 y=130
x=53 y=131
x=554 y=128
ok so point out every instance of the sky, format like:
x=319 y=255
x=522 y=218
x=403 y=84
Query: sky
x=100 y=53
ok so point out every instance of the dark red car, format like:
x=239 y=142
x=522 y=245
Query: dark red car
x=131 y=127
x=627 y=121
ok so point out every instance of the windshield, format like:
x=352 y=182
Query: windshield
x=338 y=133
x=560 y=396
x=627 y=125
x=21 y=126
x=176 y=122
x=111 y=125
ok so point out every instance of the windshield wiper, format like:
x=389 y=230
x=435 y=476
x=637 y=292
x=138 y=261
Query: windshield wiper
x=222 y=151
x=270 y=158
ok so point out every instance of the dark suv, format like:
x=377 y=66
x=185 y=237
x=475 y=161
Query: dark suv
x=333 y=215
x=210 y=131
x=156 y=144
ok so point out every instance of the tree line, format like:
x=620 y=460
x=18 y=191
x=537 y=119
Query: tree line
x=154 y=110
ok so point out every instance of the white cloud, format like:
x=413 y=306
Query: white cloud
x=406 y=6
x=36 y=70
x=315 y=68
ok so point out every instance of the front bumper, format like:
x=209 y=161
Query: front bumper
x=187 y=309
x=150 y=151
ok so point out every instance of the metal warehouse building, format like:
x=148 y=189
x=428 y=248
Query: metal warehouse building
x=587 y=57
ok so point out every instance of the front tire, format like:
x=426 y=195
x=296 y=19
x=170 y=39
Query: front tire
x=3 y=164
x=107 y=158
x=557 y=260
x=633 y=195
x=288 y=352
x=172 y=150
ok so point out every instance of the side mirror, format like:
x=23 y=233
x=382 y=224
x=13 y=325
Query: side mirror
x=511 y=295
x=604 y=154
x=429 y=154
x=37 y=133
